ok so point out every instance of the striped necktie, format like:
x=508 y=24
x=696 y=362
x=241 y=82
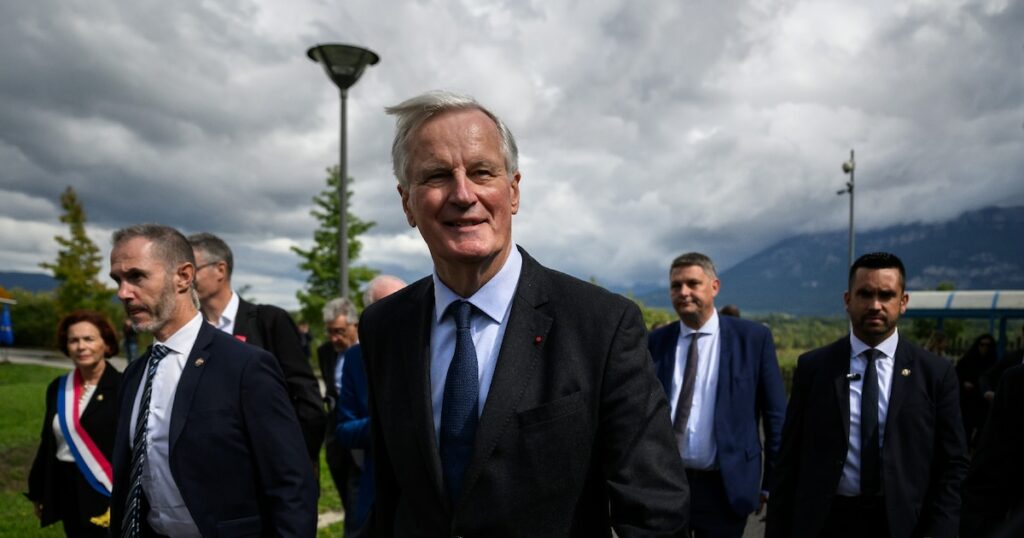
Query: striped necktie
x=131 y=524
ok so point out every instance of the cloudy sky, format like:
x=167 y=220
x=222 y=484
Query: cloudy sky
x=646 y=128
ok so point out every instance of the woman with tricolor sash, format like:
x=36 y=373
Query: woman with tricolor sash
x=71 y=476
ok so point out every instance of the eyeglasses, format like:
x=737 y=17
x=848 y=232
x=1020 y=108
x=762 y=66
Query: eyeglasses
x=199 y=267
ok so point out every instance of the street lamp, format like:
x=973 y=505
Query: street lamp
x=344 y=64
x=848 y=168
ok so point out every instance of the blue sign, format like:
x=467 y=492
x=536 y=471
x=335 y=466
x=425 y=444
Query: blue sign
x=6 y=331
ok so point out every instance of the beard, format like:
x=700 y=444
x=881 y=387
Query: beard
x=160 y=313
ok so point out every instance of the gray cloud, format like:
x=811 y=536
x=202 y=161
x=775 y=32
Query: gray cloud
x=645 y=128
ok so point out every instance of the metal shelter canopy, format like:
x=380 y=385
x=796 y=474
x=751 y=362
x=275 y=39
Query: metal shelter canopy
x=984 y=304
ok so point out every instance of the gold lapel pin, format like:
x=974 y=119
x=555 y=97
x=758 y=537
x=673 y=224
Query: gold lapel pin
x=99 y=397
x=904 y=372
x=201 y=361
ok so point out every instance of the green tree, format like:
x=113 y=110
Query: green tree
x=321 y=260
x=78 y=264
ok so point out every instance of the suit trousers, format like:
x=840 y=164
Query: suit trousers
x=710 y=513
x=856 y=517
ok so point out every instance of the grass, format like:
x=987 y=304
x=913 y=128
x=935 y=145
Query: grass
x=22 y=395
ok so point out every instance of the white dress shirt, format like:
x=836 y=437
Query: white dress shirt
x=494 y=300
x=697 y=441
x=849 y=484
x=168 y=514
x=226 y=322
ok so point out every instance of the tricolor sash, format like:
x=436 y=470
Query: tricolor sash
x=90 y=461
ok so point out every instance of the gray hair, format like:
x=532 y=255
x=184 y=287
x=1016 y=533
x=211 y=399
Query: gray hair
x=214 y=249
x=414 y=112
x=340 y=306
x=376 y=288
x=698 y=259
x=170 y=246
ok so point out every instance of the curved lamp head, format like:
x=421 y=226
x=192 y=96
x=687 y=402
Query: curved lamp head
x=344 y=64
x=848 y=167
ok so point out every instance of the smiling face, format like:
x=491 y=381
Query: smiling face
x=460 y=195
x=85 y=345
x=875 y=302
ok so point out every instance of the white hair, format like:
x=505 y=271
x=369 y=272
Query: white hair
x=414 y=112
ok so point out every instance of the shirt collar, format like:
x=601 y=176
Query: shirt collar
x=710 y=326
x=181 y=341
x=491 y=299
x=230 y=311
x=888 y=346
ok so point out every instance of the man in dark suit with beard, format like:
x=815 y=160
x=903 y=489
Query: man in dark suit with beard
x=873 y=444
x=265 y=326
x=207 y=443
x=506 y=399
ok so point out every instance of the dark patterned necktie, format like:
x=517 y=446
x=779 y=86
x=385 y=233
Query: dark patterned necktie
x=461 y=400
x=131 y=524
x=685 y=401
x=870 y=457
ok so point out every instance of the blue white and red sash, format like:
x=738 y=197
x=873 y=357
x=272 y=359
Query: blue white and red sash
x=90 y=461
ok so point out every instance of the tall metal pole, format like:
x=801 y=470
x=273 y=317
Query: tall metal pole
x=342 y=202
x=848 y=168
x=853 y=168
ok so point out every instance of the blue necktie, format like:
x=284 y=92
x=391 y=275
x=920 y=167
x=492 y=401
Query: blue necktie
x=870 y=457
x=459 y=409
x=131 y=524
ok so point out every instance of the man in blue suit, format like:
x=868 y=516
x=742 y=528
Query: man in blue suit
x=721 y=376
x=207 y=443
x=353 y=431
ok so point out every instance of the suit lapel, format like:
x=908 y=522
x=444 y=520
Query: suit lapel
x=839 y=370
x=665 y=355
x=245 y=321
x=522 y=348
x=726 y=352
x=189 y=381
x=901 y=384
x=129 y=389
x=417 y=381
x=99 y=397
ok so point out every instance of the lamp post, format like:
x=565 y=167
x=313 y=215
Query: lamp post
x=848 y=168
x=344 y=64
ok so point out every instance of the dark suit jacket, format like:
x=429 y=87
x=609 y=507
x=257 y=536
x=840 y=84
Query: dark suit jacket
x=272 y=329
x=923 y=455
x=575 y=421
x=749 y=389
x=236 y=450
x=327 y=357
x=353 y=432
x=993 y=489
x=99 y=419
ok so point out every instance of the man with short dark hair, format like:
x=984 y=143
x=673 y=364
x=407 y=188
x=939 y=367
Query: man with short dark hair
x=261 y=325
x=506 y=399
x=873 y=444
x=207 y=443
x=722 y=379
